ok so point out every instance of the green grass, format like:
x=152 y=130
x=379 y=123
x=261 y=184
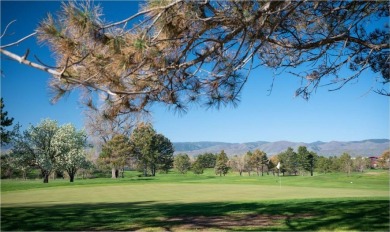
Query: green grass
x=369 y=180
x=208 y=202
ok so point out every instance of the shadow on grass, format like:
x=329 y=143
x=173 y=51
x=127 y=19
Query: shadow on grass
x=362 y=215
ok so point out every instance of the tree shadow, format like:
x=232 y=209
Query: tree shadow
x=362 y=215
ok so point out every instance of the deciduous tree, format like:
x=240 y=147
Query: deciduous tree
x=248 y=163
x=258 y=160
x=324 y=164
x=345 y=163
x=384 y=160
x=361 y=163
x=35 y=145
x=197 y=166
x=237 y=163
x=70 y=144
x=102 y=127
x=274 y=160
x=115 y=153
x=182 y=163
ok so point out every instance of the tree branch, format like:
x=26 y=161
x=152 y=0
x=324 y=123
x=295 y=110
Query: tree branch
x=6 y=28
x=19 y=41
x=140 y=13
x=60 y=75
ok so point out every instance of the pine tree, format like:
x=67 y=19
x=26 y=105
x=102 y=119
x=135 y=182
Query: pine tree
x=221 y=165
x=5 y=122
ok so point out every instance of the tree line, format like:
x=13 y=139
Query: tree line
x=299 y=162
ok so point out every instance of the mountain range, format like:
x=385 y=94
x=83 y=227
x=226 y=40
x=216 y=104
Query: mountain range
x=370 y=147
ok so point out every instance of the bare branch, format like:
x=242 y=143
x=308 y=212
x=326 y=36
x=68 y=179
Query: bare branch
x=6 y=28
x=29 y=63
x=19 y=41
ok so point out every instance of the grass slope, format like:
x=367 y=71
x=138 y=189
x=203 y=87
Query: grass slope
x=206 y=202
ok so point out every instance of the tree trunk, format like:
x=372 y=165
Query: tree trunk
x=262 y=170
x=116 y=173
x=24 y=174
x=113 y=173
x=145 y=169
x=46 y=177
x=71 y=173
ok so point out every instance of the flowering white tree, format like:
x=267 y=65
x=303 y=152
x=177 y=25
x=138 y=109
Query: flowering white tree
x=35 y=146
x=48 y=147
x=69 y=144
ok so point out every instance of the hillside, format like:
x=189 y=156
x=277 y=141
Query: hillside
x=371 y=147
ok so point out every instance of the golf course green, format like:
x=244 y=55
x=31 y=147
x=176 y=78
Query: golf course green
x=176 y=202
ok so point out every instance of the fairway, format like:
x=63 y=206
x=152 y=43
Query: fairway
x=171 y=193
x=189 y=202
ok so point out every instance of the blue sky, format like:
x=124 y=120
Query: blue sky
x=352 y=113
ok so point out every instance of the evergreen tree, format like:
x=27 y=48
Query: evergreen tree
x=164 y=154
x=207 y=160
x=180 y=52
x=306 y=160
x=153 y=151
x=289 y=161
x=5 y=122
x=142 y=139
x=221 y=165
